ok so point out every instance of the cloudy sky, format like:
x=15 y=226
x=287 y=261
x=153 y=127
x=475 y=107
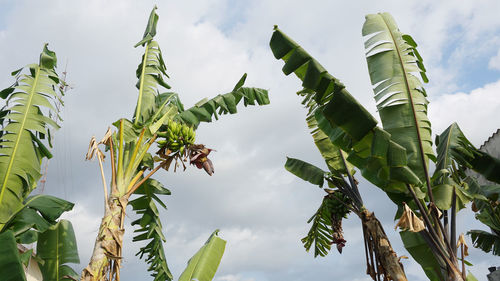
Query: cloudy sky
x=260 y=208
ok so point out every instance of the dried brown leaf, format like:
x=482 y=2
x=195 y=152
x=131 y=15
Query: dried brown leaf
x=410 y=221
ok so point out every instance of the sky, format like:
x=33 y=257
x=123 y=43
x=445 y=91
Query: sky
x=259 y=207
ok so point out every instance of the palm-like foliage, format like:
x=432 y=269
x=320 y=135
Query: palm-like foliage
x=151 y=227
x=345 y=134
x=29 y=115
x=347 y=123
x=160 y=118
x=394 y=158
x=21 y=149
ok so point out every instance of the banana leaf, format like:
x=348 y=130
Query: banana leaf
x=305 y=171
x=488 y=242
x=57 y=247
x=149 y=72
x=348 y=125
x=420 y=251
x=150 y=228
x=204 y=110
x=21 y=150
x=203 y=265
x=10 y=261
x=401 y=100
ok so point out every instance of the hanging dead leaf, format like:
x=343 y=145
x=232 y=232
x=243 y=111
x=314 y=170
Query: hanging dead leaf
x=94 y=150
x=410 y=221
x=434 y=209
x=107 y=137
x=461 y=241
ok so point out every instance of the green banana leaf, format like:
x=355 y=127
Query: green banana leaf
x=488 y=212
x=204 y=110
x=470 y=277
x=150 y=228
x=11 y=267
x=348 y=125
x=488 y=242
x=150 y=31
x=486 y=165
x=333 y=156
x=305 y=171
x=401 y=100
x=420 y=251
x=57 y=247
x=203 y=265
x=452 y=148
x=320 y=233
x=149 y=72
x=23 y=124
x=37 y=215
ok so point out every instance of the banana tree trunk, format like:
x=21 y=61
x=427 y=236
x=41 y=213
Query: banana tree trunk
x=105 y=261
x=381 y=258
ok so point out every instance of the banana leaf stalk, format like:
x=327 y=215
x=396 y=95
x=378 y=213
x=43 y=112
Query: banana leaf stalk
x=377 y=243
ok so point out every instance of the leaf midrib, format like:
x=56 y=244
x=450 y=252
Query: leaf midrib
x=18 y=139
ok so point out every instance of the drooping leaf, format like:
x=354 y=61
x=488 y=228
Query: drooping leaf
x=326 y=227
x=150 y=31
x=204 y=110
x=50 y=207
x=305 y=171
x=333 y=155
x=203 y=265
x=488 y=242
x=320 y=233
x=11 y=267
x=20 y=150
x=487 y=210
x=401 y=99
x=348 y=125
x=150 y=228
x=57 y=247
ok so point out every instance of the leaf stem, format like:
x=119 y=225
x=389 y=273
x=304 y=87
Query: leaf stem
x=104 y=185
x=136 y=186
x=114 y=189
x=134 y=154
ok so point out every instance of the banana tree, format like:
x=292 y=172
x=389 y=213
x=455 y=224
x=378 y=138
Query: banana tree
x=395 y=157
x=27 y=118
x=342 y=196
x=159 y=119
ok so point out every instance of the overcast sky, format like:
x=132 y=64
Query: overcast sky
x=260 y=208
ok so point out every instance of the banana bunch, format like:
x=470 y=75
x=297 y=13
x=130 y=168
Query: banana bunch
x=177 y=136
x=336 y=208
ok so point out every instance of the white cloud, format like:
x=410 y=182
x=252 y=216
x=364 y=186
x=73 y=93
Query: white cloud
x=476 y=112
x=494 y=62
x=260 y=208
x=232 y=277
